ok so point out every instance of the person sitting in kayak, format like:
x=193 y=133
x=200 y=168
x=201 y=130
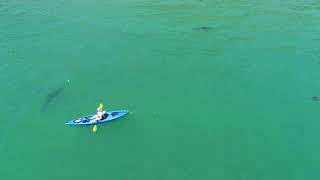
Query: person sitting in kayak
x=100 y=113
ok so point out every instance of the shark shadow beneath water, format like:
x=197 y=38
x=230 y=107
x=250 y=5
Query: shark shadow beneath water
x=51 y=97
x=202 y=28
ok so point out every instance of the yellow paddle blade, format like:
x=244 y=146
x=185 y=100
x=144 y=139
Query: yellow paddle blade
x=94 y=129
x=101 y=106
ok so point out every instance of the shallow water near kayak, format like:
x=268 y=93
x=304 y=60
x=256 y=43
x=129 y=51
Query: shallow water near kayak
x=216 y=89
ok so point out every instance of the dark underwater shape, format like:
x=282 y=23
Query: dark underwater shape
x=202 y=28
x=315 y=98
x=51 y=97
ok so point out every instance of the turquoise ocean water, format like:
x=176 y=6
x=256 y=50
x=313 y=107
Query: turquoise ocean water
x=226 y=90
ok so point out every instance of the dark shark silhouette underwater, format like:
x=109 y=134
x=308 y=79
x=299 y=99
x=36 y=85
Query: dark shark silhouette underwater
x=52 y=96
x=202 y=28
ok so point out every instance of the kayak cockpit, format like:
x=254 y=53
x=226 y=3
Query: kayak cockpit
x=87 y=119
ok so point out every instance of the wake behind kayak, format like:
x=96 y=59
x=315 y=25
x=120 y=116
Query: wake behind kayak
x=109 y=116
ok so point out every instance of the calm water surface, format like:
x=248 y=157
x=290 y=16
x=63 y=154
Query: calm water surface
x=225 y=90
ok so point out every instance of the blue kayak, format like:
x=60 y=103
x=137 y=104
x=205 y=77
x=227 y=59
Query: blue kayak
x=109 y=116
